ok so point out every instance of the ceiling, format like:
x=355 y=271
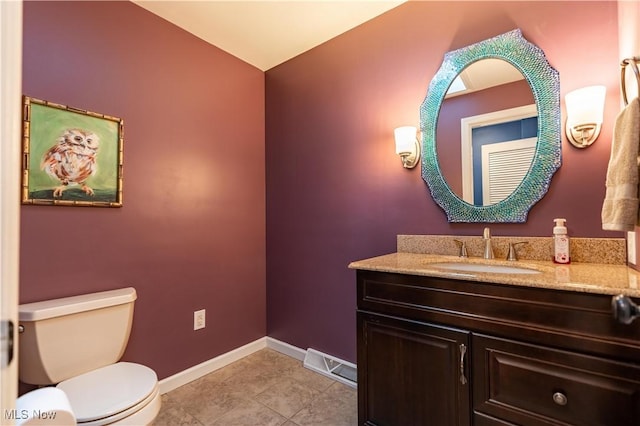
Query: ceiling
x=266 y=33
x=483 y=74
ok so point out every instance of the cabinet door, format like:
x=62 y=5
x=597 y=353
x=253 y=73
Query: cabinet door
x=535 y=385
x=411 y=373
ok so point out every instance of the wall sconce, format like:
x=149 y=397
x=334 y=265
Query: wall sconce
x=585 y=111
x=407 y=145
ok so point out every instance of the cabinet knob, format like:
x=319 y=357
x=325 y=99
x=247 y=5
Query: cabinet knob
x=624 y=310
x=560 y=398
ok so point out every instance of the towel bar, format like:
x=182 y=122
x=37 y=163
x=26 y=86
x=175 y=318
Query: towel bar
x=633 y=61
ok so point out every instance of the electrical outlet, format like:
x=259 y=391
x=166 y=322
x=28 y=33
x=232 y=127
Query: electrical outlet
x=631 y=247
x=199 y=319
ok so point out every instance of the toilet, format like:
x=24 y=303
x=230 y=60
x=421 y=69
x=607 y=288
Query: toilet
x=75 y=343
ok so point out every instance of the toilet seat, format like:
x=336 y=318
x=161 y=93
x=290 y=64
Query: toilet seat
x=110 y=393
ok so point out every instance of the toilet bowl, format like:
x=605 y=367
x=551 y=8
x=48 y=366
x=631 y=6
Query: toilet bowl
x=75 y=343
x=113 y=394
x=46 y=406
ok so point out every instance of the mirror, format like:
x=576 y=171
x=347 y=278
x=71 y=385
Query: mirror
x=491 y=149
x=486 y=132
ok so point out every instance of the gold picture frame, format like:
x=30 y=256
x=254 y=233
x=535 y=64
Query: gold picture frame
x=70 y=157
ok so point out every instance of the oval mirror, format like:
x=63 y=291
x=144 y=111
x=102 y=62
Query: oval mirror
x=491 y=130
x=486 y=132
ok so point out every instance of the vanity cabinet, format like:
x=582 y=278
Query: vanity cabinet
x=443 y=352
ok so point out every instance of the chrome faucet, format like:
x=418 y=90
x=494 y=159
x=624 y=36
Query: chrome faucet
x=463 y=248
x=512 y=255
x=488 y=247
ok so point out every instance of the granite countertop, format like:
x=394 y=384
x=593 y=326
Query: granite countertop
x=610 y=279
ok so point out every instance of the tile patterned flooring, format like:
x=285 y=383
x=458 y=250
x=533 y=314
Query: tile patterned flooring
x=265 y=388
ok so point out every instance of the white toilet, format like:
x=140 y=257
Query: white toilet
x=76 y=342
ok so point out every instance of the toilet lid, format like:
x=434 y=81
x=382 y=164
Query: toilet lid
x=108 y=390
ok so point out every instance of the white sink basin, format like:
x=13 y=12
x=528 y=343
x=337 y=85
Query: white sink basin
x=482 y=267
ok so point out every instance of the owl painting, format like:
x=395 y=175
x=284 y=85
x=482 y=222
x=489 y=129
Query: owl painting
x=72 y=160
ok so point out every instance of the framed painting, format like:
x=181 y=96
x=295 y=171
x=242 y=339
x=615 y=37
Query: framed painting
x=70 y=157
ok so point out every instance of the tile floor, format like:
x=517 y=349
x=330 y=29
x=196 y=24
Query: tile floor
x=265 y=388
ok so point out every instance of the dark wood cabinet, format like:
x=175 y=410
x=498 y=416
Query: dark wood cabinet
x=536 y=385
x=442 y=352
x=412 y=373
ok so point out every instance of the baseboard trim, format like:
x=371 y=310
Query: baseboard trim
x=190 y=374
x=193 y=373
x=285 y=348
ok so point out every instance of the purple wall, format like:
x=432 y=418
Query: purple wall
x=336 y=191
x=191 y=233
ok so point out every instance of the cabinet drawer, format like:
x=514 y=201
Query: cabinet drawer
x=534 y=385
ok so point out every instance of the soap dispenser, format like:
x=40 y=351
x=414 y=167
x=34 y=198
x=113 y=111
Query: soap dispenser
x=560 y=242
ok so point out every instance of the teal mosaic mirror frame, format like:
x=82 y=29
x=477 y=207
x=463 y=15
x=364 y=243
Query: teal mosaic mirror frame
x=544 y=80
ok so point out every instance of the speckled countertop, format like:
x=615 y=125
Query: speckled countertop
x=601 y=278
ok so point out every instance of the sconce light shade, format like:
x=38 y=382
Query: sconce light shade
x=407 y=146
x=585 y=111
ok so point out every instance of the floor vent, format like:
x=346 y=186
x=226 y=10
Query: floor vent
x=330 y=366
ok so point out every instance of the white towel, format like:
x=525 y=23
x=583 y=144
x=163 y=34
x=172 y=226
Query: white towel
x=620 y=207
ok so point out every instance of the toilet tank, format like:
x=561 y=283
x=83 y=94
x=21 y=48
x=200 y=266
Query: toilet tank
x=63 y=338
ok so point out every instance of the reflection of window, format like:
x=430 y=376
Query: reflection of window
x=479 y=131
